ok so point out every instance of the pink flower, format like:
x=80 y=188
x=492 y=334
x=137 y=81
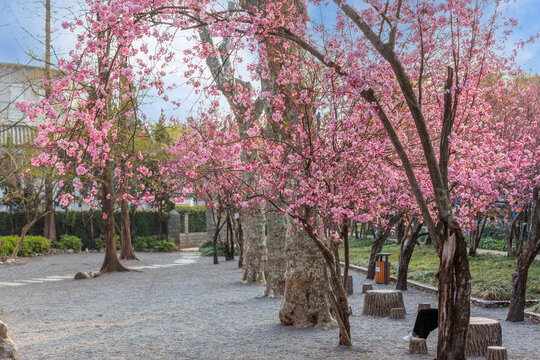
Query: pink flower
x=81 y=170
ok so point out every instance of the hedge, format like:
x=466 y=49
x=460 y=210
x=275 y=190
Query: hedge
x=31 y=245
x=78 y=223
x=196 y=220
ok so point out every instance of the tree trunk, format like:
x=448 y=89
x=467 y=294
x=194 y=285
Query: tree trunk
x=49 y=229
x=24 y=231
x=454 y=310
x=275 y=246
x=476 y=235
x=509 y=229
x=305 y=303
x=401 y=231
x=254 y=245
x=239 y=235
x=126 y=252
x=217 y=230
x=524 y=261
x=405 y=254
x=111 y=262
x=378 y=243
x=92 y=234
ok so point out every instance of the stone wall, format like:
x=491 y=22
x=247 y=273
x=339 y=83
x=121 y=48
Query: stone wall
x=192 y=240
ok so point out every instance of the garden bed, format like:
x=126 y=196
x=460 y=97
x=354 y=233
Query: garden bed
x=491 y=275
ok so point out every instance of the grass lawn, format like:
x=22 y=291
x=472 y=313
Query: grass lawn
x=491 y=275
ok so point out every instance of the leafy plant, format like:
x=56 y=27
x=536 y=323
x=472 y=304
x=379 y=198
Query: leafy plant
x=31 y=245
x=69 y=242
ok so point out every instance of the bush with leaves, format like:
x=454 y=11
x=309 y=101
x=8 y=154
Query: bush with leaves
x=141 y=243
x=31 y=245
x=68 y=242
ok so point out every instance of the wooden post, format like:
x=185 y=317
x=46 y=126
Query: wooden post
x=397 y=313
x=417 y=346
x=482 y=332
x=496 y=353
x=424 y=306
x=366 y=287
x=379 y=302
x=350 y=288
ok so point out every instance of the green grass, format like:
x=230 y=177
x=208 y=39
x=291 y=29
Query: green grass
x=491 y=275
x=535 y=308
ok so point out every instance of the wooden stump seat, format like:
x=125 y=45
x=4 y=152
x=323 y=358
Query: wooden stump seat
x=496 y=353
x=380 y=302
x=397 y=313
x=483 y=332
x=417 y=346
x=366 y=287
x=424 y=306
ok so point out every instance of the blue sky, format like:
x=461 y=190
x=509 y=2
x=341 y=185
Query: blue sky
x=19 y=19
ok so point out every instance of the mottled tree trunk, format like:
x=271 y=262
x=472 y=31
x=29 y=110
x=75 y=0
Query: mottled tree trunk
x=275 y=246
x=406 y=250
x=253 y=230
x=305 y=303
x=126 y=252
x=524 y=261
x=454 y=310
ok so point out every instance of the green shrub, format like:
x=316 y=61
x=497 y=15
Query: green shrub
x=31 y=245
x=167 y=245
x=196 y=219
x=150 y=242
x=100 y=242
x=535 y=308
x=206 y=249
x=489 y=243
x=80 y=224
x=69 y=242
x=495 y=232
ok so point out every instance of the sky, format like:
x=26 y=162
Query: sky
x=22 y=20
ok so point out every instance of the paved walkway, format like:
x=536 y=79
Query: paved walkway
x=184 y=307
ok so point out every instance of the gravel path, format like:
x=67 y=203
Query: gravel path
x=183 y=307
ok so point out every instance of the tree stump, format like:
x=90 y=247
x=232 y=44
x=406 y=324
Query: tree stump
x=424 y=306
x=397 y=313
x=417 y=346
x=496 y=353
x=8 y=349
x=379 y=302
x=366 y=287
x=483 y=332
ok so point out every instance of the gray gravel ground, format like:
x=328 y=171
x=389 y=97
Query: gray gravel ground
x=192 y=310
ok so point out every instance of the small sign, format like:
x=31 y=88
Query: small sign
x=377 y=269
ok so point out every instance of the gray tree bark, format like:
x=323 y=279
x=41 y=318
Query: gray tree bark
x=305 y=303
x=254 y=253
x=275 y=246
